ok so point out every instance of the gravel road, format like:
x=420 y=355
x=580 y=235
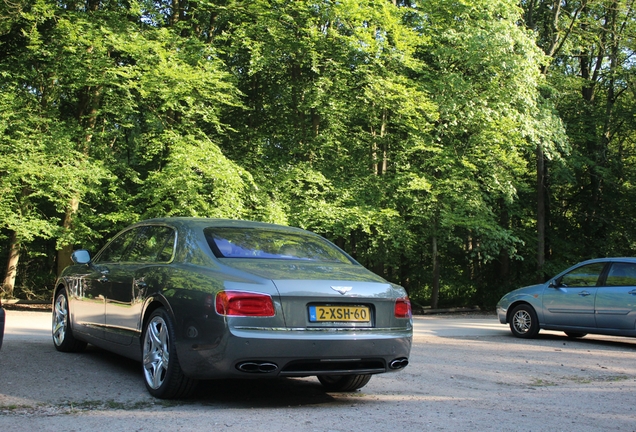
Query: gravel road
x=466 y=373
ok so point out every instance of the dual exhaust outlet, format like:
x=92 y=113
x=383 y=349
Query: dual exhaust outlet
x=257 y=367
x=399 y=363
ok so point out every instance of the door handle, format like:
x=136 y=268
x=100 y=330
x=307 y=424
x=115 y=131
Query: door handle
x=104 y=277
x=632 y=292
x=584 y=293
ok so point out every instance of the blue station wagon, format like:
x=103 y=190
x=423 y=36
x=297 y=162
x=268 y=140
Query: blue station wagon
x=596 y=296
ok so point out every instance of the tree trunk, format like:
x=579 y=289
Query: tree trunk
x=64 y=254
x=541 y=213
x=384 y=143
x=435 y=291
x=12 y=266
x=89 y=101
x=405 y=273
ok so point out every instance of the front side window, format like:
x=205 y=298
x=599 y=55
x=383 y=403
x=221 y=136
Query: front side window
x=584 y=276
x=271 y=244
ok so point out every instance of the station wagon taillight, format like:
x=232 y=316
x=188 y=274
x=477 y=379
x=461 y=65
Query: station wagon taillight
x=403 y=308
x=241 y=303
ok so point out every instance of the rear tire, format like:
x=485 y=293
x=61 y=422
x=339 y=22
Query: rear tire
x=523 y=322
x=162 y=372
x=343 y=383
x=61 y=329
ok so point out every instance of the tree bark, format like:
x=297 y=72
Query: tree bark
x=541 y=213
x=8 y=285
x=64 y=254
x=436 y=272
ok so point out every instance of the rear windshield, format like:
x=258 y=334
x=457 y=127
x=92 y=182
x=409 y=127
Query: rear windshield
x=271 y=244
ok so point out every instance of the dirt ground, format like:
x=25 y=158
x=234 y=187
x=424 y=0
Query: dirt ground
x=466 y=373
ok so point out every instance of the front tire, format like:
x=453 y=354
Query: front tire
x=343 y=383
x=61 y=330
x=524 y=322
x=162 y=372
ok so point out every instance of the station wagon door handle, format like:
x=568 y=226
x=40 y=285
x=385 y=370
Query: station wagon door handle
x=584 y=293
x=632 y=292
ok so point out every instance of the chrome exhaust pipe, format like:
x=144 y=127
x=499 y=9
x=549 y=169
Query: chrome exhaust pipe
x=399 y=363
x=257 y=367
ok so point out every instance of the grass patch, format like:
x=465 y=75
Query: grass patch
x=537 y=382
x=600 y=378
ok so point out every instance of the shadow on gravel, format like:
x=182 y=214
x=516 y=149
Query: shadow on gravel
x=589 y=341
x=234 y=393
x=98 y=378
x=111 y=362
x=261 y=393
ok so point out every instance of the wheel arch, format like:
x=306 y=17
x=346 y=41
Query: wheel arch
x=152 y=304
x=59 y=285
x=516 y=303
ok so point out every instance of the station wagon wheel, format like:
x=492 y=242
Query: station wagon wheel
x=524 y=322
x=162 y=373
x=61 y=330
x=343 y=383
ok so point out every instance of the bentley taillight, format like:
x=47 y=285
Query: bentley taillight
x=241 y=303
x=403 y=308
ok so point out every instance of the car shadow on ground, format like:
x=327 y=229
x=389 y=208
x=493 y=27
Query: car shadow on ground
x=110 y=361
x=590 y=341
x=234 y=393
x=266 y=393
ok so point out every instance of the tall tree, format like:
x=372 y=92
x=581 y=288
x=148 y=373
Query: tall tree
x=590 y=44
x=483 y=71
x=100 y=90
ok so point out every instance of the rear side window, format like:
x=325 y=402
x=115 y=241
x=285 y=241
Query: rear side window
x=141 y=244
x=271 y=244
x=115 y=250
x=153 y=244
x=621 y=274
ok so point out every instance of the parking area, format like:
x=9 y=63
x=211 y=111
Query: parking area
x=466 y=373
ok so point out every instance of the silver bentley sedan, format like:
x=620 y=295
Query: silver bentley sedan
x=193 y=298
x=596 y=296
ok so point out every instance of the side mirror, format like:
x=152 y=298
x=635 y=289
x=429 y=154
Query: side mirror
x=556 y=283
x=81 y=256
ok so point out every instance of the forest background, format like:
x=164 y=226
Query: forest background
x=460 y=148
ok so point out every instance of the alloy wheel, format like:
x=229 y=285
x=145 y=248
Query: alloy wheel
x=522 y=321
x=60 y=319
x=156 y=356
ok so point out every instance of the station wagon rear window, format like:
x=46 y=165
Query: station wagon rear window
x=271 y=244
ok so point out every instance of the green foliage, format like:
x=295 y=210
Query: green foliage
x=387 y=127
x=196 y=180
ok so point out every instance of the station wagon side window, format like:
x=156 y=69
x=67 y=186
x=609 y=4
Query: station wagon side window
x=584 y=276
x=621 y=274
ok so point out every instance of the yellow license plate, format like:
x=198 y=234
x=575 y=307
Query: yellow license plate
x=339 y=313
